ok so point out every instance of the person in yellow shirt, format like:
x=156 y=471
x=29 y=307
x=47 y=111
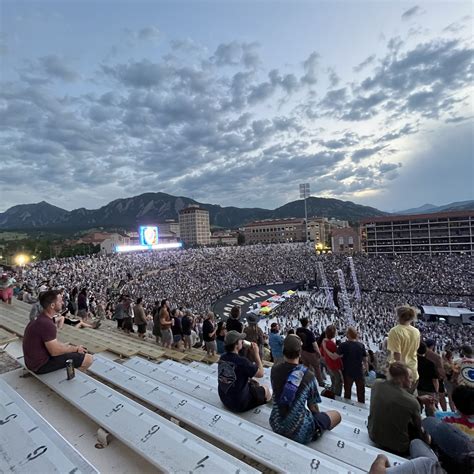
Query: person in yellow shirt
x=404 y=340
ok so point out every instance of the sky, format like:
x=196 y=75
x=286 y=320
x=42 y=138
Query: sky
x=236 y=102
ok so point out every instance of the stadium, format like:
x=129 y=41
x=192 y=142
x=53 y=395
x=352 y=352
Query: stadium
x=179 y=384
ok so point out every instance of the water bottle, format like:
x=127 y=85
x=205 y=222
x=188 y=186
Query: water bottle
x=291 y=386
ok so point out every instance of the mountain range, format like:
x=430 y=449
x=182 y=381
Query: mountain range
x=430 y=208
x=151 y=208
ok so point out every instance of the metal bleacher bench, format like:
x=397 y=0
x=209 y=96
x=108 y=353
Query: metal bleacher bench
x=28 y=443
x=352 y=414
x=262 y=445
x=348 y=442
x=159 y=441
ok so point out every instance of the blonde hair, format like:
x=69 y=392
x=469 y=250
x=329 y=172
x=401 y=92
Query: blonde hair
x=406 y=314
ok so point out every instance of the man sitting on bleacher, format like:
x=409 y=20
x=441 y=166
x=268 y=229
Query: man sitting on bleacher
x=237 y=389
x=42 y=351
x=294 y=387
x=395 y=414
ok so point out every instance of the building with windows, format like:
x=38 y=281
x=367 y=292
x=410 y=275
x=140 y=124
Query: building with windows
x=274 y=231
x=194 y=228
x=444 y=232
x=345 y=240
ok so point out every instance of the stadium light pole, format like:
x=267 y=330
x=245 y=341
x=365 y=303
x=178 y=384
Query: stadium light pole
x=304 y=194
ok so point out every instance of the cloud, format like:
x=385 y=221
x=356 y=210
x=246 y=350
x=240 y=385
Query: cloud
x=410 y=13
x=310 y=66
x=362 y=153
x=149 y=33
x=366 y=62
x=235 y=54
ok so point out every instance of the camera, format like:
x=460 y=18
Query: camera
x=246 y=344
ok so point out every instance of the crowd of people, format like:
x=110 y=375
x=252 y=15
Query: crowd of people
x=412 y=365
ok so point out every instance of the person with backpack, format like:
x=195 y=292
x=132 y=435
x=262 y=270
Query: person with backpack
x=295 y=413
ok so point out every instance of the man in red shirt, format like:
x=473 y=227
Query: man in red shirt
x=42 y=351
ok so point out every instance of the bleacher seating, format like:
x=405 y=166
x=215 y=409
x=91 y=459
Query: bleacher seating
x=161 y=442
x=354 y=415
x=29 y=444
x=337 y=444
x=15 y=317
x=264 y=446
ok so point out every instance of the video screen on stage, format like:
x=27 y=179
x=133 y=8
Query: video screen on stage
x=148 y=235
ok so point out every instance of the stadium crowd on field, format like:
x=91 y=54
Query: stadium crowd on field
x=194 y=279
x=412 y=366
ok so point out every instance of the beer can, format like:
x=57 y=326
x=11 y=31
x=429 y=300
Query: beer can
x=70 y=369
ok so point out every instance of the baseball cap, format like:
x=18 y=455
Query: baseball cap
x=292 y=343
x=252 y=318
x=233 y=336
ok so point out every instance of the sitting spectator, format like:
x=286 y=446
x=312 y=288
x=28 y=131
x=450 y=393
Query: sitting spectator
x=422 y=460
x=455 y=449
x=275 y=341
x=394 y=416
x=464 y=367
x=463 y=417
x=354 y=361
x=42 y=351
x=428 y=382
x=295 y=413
x=237 y=391
x=404 y=340
x=332 y=359
x=310 y=355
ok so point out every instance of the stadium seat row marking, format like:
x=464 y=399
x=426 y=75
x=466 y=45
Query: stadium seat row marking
x=28 y=443
x=156 y=439
x=358 y=455
x=264 y=446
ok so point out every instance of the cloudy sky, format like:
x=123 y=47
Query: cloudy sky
x=236 y=102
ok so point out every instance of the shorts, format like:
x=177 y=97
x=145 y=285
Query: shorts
x=176 y=338
x=211 y=346
x=59 y=362
x=166 y=336
x=257 y=396
x=141 y=328
x=322 y=423
x=82 y=313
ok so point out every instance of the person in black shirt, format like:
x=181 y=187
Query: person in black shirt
x=233 y=323
x=310 y=355
x=354 y=360
x=209 y=334
x=237 y=389
x=428 y=383
x=186 y=326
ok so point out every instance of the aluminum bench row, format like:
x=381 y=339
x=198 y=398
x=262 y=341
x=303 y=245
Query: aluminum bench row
x=346 y=443
x=28 y=443
x=158 y=440
x=262 y=445
x=357 y=414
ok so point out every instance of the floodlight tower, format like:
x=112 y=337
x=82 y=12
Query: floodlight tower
x=304 y=194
